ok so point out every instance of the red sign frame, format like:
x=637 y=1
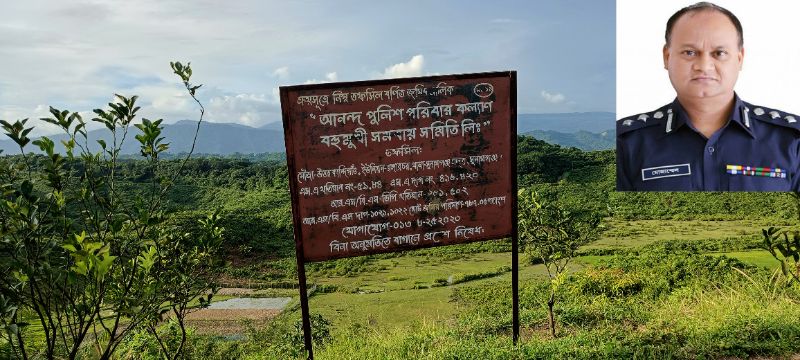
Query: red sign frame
x=392 y=165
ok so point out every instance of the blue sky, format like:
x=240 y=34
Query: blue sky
x=76 y=54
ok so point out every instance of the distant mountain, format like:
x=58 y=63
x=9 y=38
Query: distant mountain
x=582 y=130
x=583 y=140
x=213 y=138
x=275 y=125
x=595 y=122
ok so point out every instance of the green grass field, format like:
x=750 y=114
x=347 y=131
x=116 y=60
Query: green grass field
x=627 y=234
x=409 y=272
x=399 y=293
x=401 y=307
x=761 y=258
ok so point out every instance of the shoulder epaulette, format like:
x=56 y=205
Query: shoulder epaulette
x=641 y=121
x=773 y=116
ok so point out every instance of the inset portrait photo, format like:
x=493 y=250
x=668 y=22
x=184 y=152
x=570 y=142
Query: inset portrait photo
x=708 y=95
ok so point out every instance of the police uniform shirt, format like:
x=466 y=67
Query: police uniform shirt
x=758 y=149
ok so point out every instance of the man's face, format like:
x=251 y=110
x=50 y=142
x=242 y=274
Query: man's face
x=703 y=57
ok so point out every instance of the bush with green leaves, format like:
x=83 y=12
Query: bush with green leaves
x=648 y=304
x=82 y=262
x=784 y=245
x=551 y=233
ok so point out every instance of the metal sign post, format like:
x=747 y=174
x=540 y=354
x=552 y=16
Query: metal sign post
x=515 y=289
x=301 y=277
x=514 y=216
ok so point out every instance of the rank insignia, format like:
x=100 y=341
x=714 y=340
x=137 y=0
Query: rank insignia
x=756 y=171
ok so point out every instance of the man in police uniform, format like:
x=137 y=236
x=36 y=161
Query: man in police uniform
x=707 y=138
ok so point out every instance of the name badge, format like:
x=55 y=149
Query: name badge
x=665 y=171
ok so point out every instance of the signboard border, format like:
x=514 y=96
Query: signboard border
x=294 y=195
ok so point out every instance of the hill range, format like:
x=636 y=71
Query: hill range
x=585 y=131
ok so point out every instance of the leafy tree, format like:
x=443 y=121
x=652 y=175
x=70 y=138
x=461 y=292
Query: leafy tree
x=81 y=258
x=553 y=234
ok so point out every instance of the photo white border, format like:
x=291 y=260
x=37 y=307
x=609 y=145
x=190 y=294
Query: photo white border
x=770 y=74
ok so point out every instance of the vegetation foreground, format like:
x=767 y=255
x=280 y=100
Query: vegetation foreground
x=637 y=304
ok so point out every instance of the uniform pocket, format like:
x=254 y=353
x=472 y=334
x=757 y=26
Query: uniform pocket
x=674 y=183
x=758 y=183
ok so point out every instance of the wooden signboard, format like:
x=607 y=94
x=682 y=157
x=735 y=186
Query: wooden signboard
x=390 y=165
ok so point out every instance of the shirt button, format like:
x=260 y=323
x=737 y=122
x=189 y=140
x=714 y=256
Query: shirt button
x=711 y=150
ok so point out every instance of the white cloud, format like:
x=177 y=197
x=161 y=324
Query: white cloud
x=43 y=127
x=405 y=69
x=329 y=77
x=246 y=109
x=69 y=43
x=276 y=95
x=170 y=102
x=502 y=21
x=281 y=72
x=554 y=98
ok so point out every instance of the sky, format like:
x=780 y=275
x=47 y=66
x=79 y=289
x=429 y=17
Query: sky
x=75 y=55
x=771 y=68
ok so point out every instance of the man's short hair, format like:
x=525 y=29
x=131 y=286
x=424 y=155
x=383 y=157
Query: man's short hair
x=704 y=6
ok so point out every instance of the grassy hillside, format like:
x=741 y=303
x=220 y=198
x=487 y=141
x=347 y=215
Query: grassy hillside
x=584 y=140
x=673 y=275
